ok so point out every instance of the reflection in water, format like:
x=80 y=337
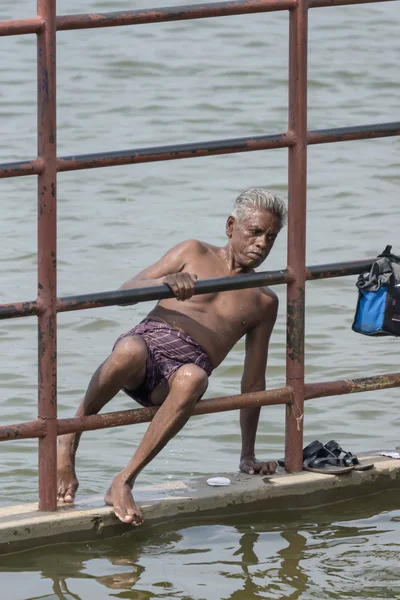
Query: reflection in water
x=125 y=580
x=303 y=555
x=61 y=590
x=248 y=558
x=290 y=572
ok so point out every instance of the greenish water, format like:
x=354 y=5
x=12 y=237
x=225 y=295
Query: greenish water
x=132 y=87
x=348 y=550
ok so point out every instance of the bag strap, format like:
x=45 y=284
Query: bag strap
x=387 y=253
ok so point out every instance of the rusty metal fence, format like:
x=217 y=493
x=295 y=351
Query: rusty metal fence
x=46 y=166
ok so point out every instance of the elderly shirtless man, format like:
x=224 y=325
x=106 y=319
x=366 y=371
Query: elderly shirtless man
x=167 y=359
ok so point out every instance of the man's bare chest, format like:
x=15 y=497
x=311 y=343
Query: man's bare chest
x=235 y=308
x=239 y=309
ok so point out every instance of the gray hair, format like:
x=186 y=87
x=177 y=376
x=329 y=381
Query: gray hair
x=261 y=199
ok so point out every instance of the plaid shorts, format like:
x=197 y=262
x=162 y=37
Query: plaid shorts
x=167 y=350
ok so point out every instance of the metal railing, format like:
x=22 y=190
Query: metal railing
x=46 y=166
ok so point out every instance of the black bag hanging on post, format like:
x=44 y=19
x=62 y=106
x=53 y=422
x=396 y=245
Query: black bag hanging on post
x=378 y=306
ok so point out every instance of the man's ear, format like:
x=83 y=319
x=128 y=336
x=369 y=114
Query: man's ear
x=230 y=225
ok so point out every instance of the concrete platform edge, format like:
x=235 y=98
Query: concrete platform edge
x=23 y=527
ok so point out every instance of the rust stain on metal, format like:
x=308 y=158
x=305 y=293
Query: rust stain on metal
x=295 y=326
x=20 y=169
x=351 y=386
x=20 y=26
x=348 y=134
x=18 y=309
x=179 y=13
x=269 y=397
x=77 y=305
x=141 y=156
x=32 y=429
x=143 y=415
x=364 y=384
x=165 y=153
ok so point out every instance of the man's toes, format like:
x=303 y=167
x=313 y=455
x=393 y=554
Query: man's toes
x=269 y=468
x=123 y=518
x=69 y=495
x=128 y=519
x=66 y=496
x=60 y=496
x=123 y=515
x=137 y=518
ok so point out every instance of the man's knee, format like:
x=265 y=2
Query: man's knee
x=131 y=353
x=192 y=379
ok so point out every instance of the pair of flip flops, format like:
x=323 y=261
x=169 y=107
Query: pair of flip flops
x=330 y=458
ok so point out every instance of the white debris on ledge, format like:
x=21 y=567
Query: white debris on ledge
x=218 y=481
x=390 y=454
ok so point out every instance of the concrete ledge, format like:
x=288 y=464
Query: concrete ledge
x=23 y=527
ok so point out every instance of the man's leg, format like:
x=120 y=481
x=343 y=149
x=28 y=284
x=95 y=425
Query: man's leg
x=186 y=386
x=125 y=367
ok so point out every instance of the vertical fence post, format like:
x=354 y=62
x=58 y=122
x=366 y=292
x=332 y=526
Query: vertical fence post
x=47 y=244
x=296 y=233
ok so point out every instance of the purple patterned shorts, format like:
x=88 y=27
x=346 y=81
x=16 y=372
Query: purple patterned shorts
x=167 y=350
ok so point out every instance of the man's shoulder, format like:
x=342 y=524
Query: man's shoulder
x=195 y=246
x=268 y=298
x=267 y=303
x=268 y=295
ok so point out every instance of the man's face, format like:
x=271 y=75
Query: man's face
x=252 y=238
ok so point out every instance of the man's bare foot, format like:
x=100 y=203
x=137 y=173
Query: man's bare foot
x=67 y=482
x=119 y=496
x=253 y=466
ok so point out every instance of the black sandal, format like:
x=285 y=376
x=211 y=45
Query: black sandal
x=319 y=459
x=308 y=451
x=348 y=458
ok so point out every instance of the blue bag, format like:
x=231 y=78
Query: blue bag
x=378 y=306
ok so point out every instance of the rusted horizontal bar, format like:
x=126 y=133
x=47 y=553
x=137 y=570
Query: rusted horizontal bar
x=329 y=271
x=161 y=15
x=18 y=309
x=142 y=415
x=162 y=291
x=178 y=151
x=347 y=134
x=154 y=154
x=145 y=294
x=351 y=386
x=19 y=169
x=171 y=13
x=205 y=286
x=31 y=429
x=20 y=26
x=198 y=149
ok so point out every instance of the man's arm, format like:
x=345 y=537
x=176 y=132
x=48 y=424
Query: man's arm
x=169 y=270
x=253 y=380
